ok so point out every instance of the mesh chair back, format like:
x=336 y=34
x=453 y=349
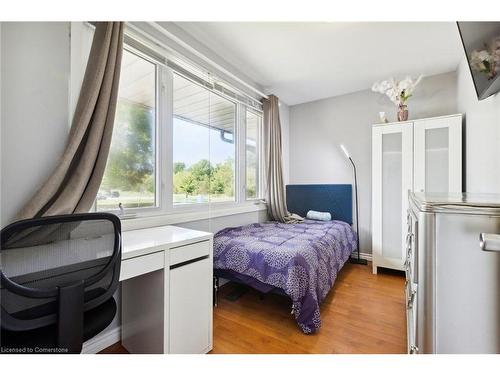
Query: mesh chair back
x=39 y=257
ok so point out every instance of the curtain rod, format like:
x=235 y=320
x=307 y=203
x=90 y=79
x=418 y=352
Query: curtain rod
x=204 y=58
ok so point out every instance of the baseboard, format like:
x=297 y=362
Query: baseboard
x=102 y=341
x=366 y=256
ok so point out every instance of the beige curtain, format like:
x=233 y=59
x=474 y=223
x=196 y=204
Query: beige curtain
x=73 y=185
x=276 y=202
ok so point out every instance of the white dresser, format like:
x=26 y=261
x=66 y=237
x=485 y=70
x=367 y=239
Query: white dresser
x=167 y=275
x=453 y=277
x=422 y=155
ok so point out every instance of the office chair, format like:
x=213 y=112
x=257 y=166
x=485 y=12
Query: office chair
x=58 y=275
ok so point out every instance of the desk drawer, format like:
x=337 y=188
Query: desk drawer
x=140 y=265
x=188 y=252
x=190 y=328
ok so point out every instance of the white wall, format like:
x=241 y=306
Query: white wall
x=35 y=84
x=318 y=128
x=482 y=135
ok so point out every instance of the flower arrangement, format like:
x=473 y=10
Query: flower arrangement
x=487 y=61
x=398 y=91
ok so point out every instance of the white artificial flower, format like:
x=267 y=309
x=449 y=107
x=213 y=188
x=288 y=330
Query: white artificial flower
x=478 y=59
x=393 y=88
x=393 y=83
x=484 y=55
x=385 y=85
x=417 y=81
x=405 y=84
x=488 y=60
x=381 y=87
x=411 y=84
x=475 y=56
x=495 y=50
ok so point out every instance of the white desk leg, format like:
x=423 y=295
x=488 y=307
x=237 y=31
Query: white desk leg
x=143 y=313
x=166 y=304
x=210 y=288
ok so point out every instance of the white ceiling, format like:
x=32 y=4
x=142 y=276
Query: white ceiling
x=302 y=62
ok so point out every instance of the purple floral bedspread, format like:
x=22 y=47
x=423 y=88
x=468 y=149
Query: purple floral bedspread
x=301 y=259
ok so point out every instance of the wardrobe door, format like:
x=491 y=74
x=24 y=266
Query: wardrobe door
x=392 y=180
x=438 y=155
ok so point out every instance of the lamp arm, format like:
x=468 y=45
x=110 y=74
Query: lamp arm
x=357 y=208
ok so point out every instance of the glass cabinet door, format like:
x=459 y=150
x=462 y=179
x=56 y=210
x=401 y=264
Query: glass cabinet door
x=392 y=180
x=438 y=156
x=392 y=194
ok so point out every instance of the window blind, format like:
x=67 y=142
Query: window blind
x=195 y=74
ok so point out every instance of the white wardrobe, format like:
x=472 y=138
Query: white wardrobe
x=420 y=155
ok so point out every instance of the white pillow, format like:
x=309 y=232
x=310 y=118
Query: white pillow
x=317 y=215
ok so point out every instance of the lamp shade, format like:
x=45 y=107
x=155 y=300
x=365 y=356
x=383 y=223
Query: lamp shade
x=345 y=151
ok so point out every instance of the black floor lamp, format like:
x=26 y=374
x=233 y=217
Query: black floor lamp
x=357 y=260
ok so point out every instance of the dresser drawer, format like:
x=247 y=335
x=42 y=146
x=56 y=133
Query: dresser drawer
x=140 y=265
x=188 y=252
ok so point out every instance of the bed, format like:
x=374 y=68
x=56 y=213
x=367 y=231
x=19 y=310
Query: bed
x=299 y=260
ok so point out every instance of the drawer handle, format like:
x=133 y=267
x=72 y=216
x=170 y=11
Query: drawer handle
x=188 y=262
x=407 y=267
x=408 y=258
x=411 y=300
x=489 y=242
x=413 y=349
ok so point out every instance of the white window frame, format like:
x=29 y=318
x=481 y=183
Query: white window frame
x=164 y=157
x=159 y=133
x=260 y=150
x=194 y=207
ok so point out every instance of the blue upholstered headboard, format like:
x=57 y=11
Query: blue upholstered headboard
x=336 y=199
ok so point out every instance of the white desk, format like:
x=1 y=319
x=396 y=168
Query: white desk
x=167 y=276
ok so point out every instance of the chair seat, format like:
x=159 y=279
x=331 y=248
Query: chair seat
x=44 y=340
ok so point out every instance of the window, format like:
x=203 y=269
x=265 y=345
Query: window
x=181 y=139
x=130 y=174
x=204 y=142
x=252 y=150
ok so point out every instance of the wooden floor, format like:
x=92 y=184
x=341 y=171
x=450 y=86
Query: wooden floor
x=115 y=349
x=363 y=313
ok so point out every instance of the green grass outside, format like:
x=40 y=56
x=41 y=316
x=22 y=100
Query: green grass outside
x=135 y=200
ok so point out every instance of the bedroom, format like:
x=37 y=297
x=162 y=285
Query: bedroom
x=250 y=191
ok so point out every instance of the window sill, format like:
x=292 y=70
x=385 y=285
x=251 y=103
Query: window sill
x=189 y=216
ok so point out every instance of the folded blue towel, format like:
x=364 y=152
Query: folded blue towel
x=316 y=215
